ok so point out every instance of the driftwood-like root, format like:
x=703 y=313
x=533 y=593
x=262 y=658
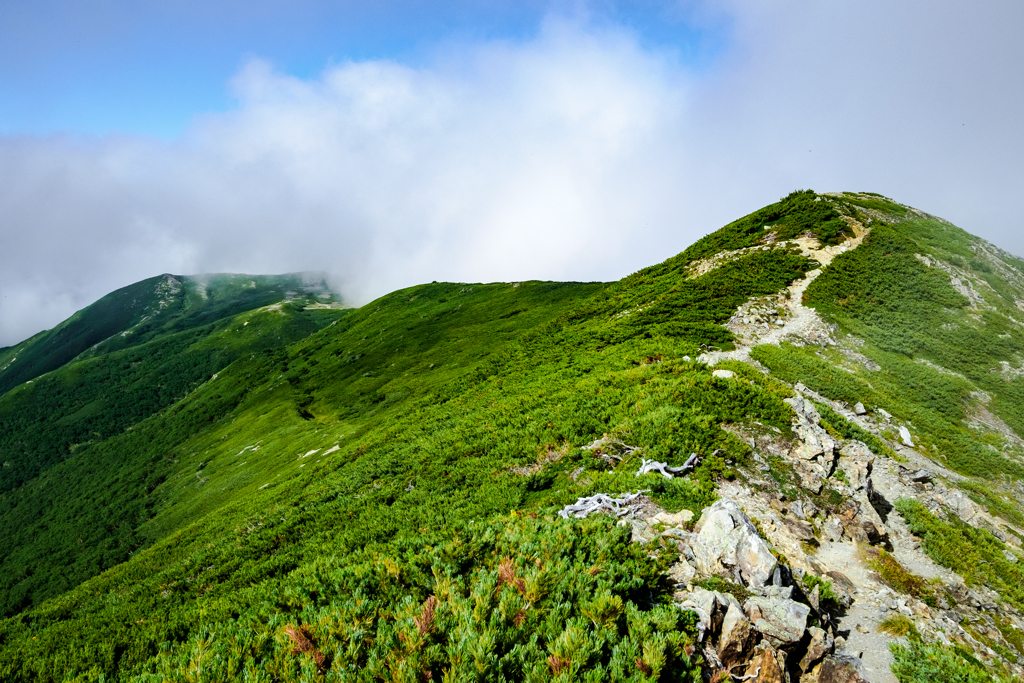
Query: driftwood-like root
x=602 y=503
x=664 y=469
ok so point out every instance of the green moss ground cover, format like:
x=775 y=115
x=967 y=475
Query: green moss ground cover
x=377 y=499
x=920 y=662
x=974 y=554
x=431 y=395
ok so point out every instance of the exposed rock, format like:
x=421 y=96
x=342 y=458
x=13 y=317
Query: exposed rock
x=964 y=507
x=801 y=530
x=820 y=645
x=810 y=446
x=673 y=519
x=724 y=374
x=832 y=529
x=842 y=586
x=815 y=598
x=840 y=669
x=859 y=409
x=781 y=620
x=777 y=592
x=802 y=407
x=736 y=638
x=778 y=613
x=811 y=481
x=871 y=521
x=861 y=522
x=705 y=604
x=682 y=573
x=856 y=460
x=765 y=668
x=728 y=544
x=905 y=437
x=921 y=477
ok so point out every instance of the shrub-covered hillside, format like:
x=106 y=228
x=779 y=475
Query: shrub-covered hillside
x=68 y=417
x=377 y=499
x=140 y=312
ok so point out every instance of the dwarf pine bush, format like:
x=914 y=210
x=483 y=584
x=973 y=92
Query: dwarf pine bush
x=518 y=598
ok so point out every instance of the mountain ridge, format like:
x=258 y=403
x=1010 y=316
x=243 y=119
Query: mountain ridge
x=128 y=308
x=384 y=491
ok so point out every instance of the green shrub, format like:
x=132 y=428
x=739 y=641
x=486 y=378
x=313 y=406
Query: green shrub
x=897 y=576
x=974 y=554
x=899 y=625
x=917 y=662
x=721 y=585
x=828 y=599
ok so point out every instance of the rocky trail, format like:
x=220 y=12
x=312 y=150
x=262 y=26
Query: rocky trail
x=769 y=619
x=782 y=317
x=786 y=589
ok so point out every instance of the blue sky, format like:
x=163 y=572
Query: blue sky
x=393 y=143
x=117 y=66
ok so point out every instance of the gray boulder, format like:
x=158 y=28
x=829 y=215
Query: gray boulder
x=856 y=460
x=681 y=573
x=921 y=477
x=781 y=620
x=711 y=608
x=704 y=604
x=841 y=669
x=727 y=544
x=870 y=521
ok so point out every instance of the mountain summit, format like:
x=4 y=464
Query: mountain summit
x=790 y=452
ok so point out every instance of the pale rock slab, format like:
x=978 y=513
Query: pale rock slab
x=728 y=544
x=780 y=619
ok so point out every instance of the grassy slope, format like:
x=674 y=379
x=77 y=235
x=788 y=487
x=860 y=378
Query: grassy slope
x=71 y=517
x=49 y=350
x=80 y=519
x=431 y=394
x=939 y=355
x=67 y=410
x=940 y=352
x=142 y=311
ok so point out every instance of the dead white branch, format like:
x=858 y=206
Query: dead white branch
x=660 y=467
x=665 y=470
x=602 y=503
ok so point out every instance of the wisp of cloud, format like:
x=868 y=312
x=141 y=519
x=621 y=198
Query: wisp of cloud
x=580 y=154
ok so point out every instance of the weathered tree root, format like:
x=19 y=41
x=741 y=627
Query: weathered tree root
x=665 y=470
x=602 y=503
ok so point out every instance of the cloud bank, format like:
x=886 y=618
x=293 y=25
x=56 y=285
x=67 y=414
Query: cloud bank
x=581 y=154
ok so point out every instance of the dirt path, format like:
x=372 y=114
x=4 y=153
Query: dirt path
x=796 y=321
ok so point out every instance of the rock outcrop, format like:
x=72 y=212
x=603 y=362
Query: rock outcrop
x=781 y=580
x=728 y=545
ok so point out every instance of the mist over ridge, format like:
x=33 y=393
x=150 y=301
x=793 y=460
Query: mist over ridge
x=581 y=153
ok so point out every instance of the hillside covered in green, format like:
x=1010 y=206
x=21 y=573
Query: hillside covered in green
x=170 y=335
x=248 y=489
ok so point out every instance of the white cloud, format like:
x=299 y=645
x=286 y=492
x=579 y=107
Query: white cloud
x=578 y=155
